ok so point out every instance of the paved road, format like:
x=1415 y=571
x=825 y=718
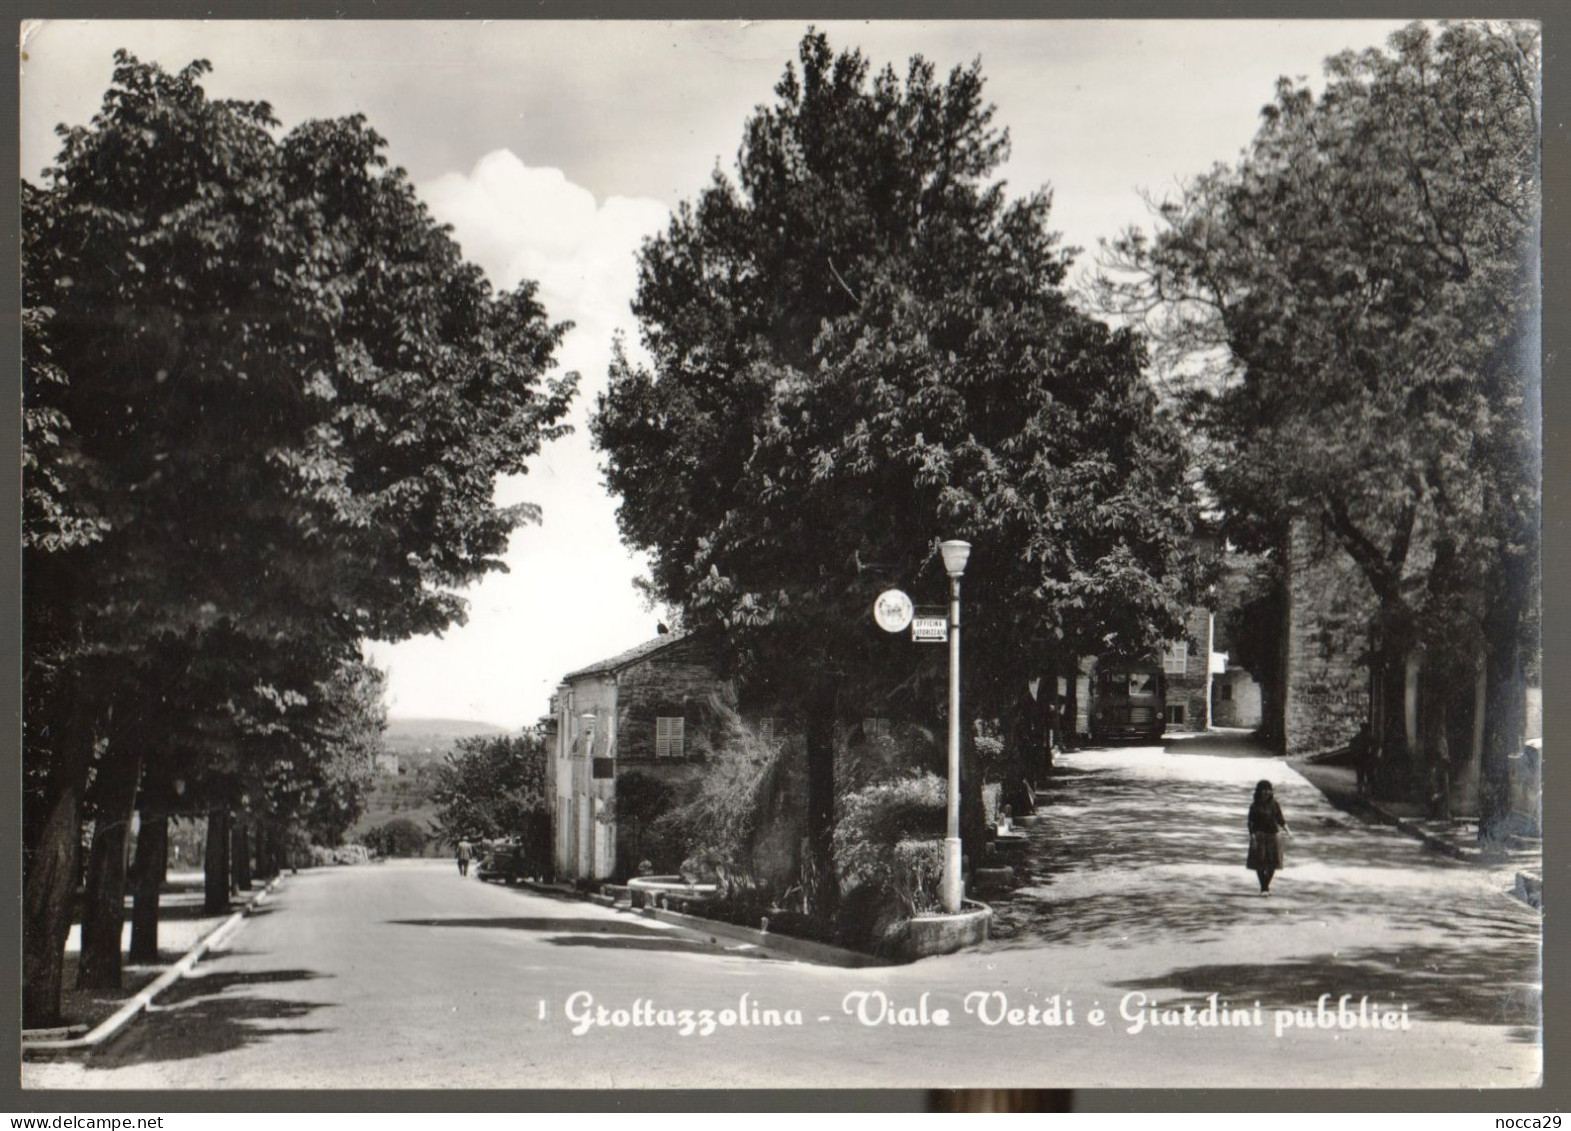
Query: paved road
x=405 y=976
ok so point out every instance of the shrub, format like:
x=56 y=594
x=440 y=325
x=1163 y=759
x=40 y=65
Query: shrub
x=917 y=872
x=874 y=819
x=745 y=808
x=398 y=837
x=347 y=854
x=889 y=853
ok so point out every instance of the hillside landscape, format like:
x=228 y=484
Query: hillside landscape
x=417 y=743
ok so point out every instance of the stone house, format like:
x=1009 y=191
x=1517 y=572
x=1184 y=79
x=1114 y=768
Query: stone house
x=1236 y=699
x=1188 y=665
x=651 y=708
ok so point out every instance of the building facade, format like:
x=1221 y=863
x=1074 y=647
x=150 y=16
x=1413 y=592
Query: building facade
x=1187 y=665
x=652 y=709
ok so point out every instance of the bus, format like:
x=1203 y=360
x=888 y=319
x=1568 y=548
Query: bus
x=1128 y=700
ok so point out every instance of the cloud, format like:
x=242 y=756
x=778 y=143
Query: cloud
x=567 y=599
x=519 y=223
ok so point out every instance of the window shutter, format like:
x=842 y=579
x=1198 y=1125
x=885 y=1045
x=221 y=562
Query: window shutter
x=668 y=737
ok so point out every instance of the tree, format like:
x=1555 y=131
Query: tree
x=270 y=401
x=398 y=837
x=1361 y=296
x=859 y=348
x=494 y=786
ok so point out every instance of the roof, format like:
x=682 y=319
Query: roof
x=624 y=659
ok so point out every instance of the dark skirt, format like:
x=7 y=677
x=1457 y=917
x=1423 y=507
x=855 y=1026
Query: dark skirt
x=1265 y=852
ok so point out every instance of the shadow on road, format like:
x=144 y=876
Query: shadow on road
x=1220 y=743
x=671 y=943
x=600 y=933
x=1436 y=983
x=208 y=1014
x=548 y=925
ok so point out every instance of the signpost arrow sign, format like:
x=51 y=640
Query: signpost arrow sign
x=930 y=629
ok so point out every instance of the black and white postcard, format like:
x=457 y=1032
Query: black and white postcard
x=885 y=554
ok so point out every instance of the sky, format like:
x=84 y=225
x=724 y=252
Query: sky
x=555 y=148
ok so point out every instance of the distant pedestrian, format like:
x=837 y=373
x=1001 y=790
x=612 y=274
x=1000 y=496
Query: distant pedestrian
x=1267 y=826
x=1363 y=750
x=466 y=853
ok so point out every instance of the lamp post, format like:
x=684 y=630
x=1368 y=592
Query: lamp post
x=955 y=554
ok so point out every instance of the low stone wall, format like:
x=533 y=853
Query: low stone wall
x=930 y=935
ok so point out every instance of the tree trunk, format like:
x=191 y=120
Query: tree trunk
x=47 y=909
x=50 y=883
x=825 y=899
x=1395 y=776
x=215 y=862
x=264 y=849
x=1273 y=687
x=1465 y=780
x=241 y=853
x=1505 y=696
x=103 y=900
x=1071 y=702
x=147 y=881
x=973 y=812
x=1504 y=699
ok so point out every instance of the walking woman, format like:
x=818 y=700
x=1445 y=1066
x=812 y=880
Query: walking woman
x=1267 y=826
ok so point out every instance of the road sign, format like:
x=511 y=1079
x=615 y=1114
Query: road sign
x=930 y=629
x=893 y=610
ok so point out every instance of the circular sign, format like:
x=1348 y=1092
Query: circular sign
x=893 y=611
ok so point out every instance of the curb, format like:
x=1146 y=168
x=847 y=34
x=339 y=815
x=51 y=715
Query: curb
x=713 y=930
x=144 y=997
x=805 y=949
x=1362 y=805
x=1528 y=886
x=825 y=954
x=1439 y=844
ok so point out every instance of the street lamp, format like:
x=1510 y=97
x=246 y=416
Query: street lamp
x=955 y=554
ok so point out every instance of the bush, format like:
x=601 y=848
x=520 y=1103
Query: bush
x=399 y=837
x=874 y=820
x=743 y=827
x=347 y=854
x=890 y=855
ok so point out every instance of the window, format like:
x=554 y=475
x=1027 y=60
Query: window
x=769 y=728
x=1142 y=683
x=1225 y=692
x=668 y=737
x=875 y=728
x=1175 y=657
x=1175 y=713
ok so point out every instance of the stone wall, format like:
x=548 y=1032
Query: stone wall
x=1192 y=688
x=1330 y=608
x=678 y=681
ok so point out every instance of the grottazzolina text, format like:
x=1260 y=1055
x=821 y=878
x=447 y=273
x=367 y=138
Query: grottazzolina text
x=1135 y=1013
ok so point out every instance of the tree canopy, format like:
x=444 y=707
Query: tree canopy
x=492 y=786
x=1355 y=309
x=266 y=404
x=861 y=347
